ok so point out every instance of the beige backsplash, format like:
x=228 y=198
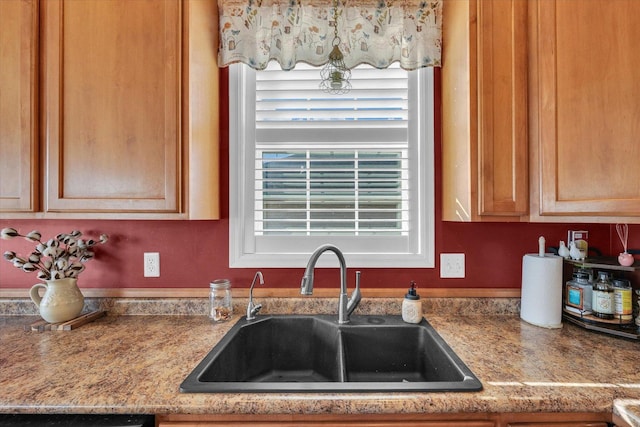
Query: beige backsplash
x=199 y=306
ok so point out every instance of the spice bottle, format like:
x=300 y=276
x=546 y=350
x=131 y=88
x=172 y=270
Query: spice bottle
x=622 y=308
x=579 y=293
x=220 y=302
x=412 y=306
x=602 y=303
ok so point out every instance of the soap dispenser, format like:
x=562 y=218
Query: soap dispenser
x=412 y=306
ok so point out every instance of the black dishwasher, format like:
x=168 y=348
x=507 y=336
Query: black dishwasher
x=75 y=420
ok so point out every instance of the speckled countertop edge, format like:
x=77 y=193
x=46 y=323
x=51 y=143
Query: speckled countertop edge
x=197 y=306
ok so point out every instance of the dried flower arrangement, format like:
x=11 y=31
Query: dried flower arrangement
x=57 y=258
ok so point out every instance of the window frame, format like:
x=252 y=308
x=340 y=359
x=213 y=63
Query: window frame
x=293 y=251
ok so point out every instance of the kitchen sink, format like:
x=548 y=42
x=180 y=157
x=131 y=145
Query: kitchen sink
x=295 y=353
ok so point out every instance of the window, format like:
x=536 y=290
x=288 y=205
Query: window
x=308 y=168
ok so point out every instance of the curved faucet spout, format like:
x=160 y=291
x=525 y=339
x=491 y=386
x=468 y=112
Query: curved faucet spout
x=253 y=309
x=306 y=286
x=346 y=306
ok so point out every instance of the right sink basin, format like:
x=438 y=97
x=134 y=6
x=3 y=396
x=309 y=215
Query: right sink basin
x=402 y=353
x=293 y=353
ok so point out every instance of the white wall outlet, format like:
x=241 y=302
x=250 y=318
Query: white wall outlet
x=151 y=264
x=452 y=266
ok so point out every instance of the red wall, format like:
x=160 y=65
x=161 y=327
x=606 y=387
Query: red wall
x=192 y=253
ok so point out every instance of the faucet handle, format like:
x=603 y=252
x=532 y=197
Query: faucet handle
x=356 y=296
x=257 y=308
x=252 y=310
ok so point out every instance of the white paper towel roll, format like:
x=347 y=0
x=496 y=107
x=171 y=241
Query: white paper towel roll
x=541 y=302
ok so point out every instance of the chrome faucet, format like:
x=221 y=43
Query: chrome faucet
x=345 y=305
x=252 y=309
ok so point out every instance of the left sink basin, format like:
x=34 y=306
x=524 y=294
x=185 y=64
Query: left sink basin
x=291 y=353
x=275 y=349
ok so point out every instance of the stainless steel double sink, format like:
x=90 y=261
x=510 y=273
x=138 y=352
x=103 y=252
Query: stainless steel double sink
x=296 y=353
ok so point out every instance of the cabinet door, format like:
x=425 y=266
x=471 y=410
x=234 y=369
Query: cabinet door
x=559 y=424
x=327 y=420
x=558 y=419
x=484 y=85
x=112 y=105
x=299 y=423
x=502 y=107
x=18 y=103
x=585 y=107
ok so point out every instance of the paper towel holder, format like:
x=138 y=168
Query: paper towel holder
x=541 y=297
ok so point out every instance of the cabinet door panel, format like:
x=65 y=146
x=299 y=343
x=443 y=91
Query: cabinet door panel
x=18 y=103
x=502 y=107
x=588 y=107
x=112 y=94
x=484 y=107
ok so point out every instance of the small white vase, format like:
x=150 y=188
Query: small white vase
x=62 y=300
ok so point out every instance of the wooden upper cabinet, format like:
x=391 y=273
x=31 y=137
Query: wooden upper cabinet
x=112 y=105
x=18 y=105
x=109 y=109
x=585 y=110
x=484 y=97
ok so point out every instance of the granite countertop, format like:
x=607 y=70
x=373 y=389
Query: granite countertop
x=135 y=364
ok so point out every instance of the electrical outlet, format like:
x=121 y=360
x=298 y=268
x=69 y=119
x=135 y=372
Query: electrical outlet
x=452 y=266
x=151 y=264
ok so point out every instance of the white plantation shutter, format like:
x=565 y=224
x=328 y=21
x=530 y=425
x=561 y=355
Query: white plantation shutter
x=332 y=192
x=311 y=177
x=354 y=169
x=292 y=100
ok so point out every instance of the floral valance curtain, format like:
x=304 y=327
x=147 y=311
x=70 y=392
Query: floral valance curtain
x=375 y=32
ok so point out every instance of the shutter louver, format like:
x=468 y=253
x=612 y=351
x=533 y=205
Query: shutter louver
x=331 y=164
x=378 y=98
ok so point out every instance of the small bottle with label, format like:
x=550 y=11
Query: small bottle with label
x=412 y=306
x=579 y=293
x=220 y=302
x=602 y=303
x=622 y=300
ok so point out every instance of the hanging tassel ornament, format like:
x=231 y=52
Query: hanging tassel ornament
x=335 y=75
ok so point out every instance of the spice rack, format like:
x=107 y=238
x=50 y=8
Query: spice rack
x=616 y=327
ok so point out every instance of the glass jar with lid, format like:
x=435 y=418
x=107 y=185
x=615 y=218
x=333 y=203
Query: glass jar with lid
x=602 y=303
x=220 y=301
x=579 y=293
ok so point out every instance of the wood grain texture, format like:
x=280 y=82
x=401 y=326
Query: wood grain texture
x=484 y=85
x=128 y=126
x=585 y=108
x=528 y=419
x=18 y=106
x=201 y=110
x=502 y=108
x=42 y=325
x=329 y=420
x=112 y=105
